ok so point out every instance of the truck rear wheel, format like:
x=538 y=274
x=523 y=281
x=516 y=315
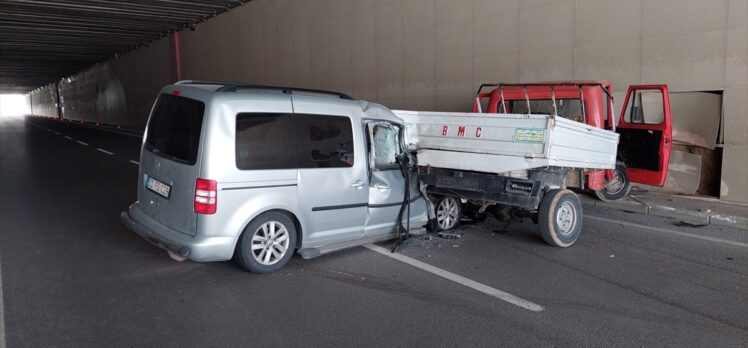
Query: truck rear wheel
x=560 y=218
x=448 y=212
x=616 y=188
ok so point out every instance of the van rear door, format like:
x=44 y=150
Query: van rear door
x=646 y=134
x=169 y=162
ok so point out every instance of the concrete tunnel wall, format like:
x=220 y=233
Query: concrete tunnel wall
x=43 y=101
x=118 y=92
x=433 y=54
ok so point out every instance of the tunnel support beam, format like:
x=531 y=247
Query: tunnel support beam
x=177 y=56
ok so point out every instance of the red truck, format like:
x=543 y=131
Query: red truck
x=644 y=126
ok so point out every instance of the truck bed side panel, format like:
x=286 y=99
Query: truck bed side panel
x=498 y=143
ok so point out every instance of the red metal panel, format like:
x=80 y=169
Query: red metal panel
x=177 y=56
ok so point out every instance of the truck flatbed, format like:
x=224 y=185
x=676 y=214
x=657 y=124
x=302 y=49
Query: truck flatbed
x=505 y=143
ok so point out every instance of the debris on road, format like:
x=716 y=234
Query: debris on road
x=683 y=223
x=448 y=235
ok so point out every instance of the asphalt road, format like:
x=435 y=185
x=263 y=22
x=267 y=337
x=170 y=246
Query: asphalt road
x=73 y=276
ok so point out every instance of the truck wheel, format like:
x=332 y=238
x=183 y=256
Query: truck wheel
x=448 y=212
x=560 y=218
x=616 y=188
x=267 y=243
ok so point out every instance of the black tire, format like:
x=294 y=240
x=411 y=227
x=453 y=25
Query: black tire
x=452 y=219
x=560 y=218
x=254 y=260
x=617 y=188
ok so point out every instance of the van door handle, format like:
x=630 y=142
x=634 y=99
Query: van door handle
x=358 y=185
x=381 y=186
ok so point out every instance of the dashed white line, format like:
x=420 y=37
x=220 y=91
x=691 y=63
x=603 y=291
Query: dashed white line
x=682 y=234
x=82 y=143
x=2 y=312
x=501 y=295
x=135 y=162
x=68 y=138
x=58 y=133
x=104 y=151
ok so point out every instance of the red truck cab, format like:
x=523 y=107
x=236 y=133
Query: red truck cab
x=644 y=125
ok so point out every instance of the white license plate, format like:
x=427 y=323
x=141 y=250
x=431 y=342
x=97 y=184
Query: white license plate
x=157 y=187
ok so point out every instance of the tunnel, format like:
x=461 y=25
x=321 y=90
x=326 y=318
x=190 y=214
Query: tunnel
x=373 y=172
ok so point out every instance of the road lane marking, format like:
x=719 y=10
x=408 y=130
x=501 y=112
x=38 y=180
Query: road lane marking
x=105 y=151
x=58 y=133
x=82 y=143
x=117 y=132
x=664 y=230
x=501 y=295
x=2 y=311
x=68 y=138
x=135 y=162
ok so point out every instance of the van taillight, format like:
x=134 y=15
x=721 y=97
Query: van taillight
x=206 y=196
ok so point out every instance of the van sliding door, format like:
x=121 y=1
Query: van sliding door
x=332 y=179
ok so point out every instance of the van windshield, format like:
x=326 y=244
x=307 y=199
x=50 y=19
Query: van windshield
x=174 y=128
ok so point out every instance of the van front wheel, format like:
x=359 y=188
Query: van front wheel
x=267 y=243
x=448 y=212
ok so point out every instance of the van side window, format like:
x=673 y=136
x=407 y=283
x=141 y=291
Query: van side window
x=385 y=146
x=289 y=141
x=264 y=141
x=324 y=141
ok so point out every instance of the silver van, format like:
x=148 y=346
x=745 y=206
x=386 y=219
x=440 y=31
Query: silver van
x=256 y=173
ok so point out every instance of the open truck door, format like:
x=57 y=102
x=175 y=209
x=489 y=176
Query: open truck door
x=646 y=134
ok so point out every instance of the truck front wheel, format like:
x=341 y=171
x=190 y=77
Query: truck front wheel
x=560 y=218
x=615 y=188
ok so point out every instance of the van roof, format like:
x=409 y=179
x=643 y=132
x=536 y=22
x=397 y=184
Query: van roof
x=223 y=86
x=209 y=89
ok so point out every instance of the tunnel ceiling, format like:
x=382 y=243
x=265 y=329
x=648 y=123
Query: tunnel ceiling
x=43 y=41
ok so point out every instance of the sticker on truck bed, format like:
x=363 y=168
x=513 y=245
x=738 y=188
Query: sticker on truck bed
x=529 y=135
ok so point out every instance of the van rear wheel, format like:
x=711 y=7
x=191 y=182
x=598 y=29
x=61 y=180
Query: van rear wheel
x=267 y=243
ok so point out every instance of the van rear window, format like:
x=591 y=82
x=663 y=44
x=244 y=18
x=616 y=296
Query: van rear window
x=174 y=128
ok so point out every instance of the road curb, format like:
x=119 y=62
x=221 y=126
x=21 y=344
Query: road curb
x=691 y=216
x=729 y=221
x=696 y=217
x=634 y=207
